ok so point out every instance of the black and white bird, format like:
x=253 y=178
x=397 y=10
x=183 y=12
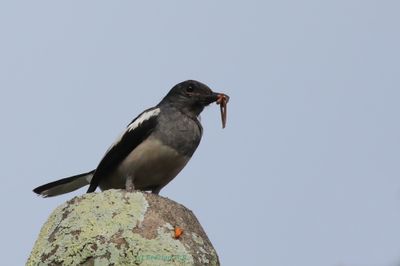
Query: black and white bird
x=154 y=148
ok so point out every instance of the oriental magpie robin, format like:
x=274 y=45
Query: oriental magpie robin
x=154 y=148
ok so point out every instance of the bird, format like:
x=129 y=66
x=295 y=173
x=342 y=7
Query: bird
x=152 y=150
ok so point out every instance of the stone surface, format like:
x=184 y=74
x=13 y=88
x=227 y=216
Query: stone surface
x=115 y=227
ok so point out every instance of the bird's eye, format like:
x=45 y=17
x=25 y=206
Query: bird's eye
x=190 y=88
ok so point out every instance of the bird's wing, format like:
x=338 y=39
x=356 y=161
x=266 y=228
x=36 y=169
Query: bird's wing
x=137 y=131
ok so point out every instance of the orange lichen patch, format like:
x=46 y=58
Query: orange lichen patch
x=223 y=101
x=178 y=232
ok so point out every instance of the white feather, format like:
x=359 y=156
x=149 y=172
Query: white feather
x=143 y=117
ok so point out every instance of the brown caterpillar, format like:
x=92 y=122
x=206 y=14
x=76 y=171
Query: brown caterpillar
x=223 y=100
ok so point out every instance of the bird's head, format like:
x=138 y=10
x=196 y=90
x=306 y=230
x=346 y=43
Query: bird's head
x=191 y=97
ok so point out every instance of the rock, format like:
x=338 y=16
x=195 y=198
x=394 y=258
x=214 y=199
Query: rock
x=116 y=227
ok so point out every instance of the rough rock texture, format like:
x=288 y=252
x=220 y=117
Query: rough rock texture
x=115 y=227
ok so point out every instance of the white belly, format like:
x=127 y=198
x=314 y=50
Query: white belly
x=151 y=164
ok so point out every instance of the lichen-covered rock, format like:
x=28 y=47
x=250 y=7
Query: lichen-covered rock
x=115 y=227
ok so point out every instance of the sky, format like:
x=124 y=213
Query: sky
x=307 y=170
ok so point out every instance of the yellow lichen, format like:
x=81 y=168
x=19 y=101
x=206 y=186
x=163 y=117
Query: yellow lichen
x=98 y=227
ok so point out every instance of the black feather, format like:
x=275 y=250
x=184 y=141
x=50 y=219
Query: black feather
x=128 y=142
x=66 y=180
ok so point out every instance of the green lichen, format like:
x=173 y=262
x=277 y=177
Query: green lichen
x=98 y=229
x=197 y=239
x=202 y=253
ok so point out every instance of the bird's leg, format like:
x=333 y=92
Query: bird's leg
x=156 y=190
x=129 y=184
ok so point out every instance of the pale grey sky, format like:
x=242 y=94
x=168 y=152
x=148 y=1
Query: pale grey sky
x=307 y=171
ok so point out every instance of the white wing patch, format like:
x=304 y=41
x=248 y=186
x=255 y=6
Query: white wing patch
x=143 y=117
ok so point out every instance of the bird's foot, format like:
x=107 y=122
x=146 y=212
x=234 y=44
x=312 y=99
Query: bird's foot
x=129 y=185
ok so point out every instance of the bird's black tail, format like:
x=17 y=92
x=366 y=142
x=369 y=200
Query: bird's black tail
x=64 y=185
